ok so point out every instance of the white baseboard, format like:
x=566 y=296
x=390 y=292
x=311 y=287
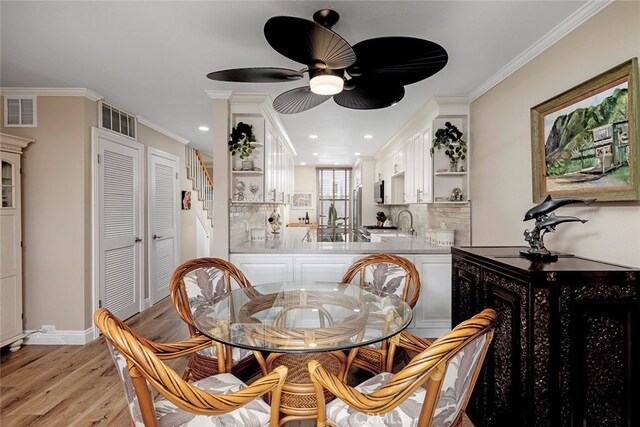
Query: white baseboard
x=59 y=337
x=147 y=303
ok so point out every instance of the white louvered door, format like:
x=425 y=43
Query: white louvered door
x=119 y=207
x=163 y=221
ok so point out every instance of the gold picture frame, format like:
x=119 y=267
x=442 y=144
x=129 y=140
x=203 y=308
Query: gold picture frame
x=585 y=141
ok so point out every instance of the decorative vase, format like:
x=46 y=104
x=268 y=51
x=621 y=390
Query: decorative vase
x=453 y=165
x=237 y=163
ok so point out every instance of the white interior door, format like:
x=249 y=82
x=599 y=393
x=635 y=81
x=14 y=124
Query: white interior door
x=202 y=240
x=163 y=221
x=118 y=189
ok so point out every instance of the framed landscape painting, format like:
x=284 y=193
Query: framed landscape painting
x=585 y=141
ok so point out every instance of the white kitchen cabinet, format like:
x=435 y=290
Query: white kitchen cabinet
x=432 y=313
x=11 y=332
x=266 y=176
x=264 y=268
x=321 y=268
x=416 y=176
x=398 y=160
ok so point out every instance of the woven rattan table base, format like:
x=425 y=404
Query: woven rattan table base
x=303 y=400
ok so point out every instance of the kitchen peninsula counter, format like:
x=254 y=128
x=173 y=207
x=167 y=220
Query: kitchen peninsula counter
x=289 y=259
x=290 y=246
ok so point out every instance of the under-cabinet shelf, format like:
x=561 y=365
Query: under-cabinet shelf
x=248 y=172
x=450 y=173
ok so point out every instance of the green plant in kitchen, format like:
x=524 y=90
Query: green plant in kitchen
x=241 y=138
x=450 y=137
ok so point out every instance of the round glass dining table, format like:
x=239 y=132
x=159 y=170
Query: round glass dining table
x=301 y=317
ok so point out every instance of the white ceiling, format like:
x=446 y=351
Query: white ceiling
x=151 y=58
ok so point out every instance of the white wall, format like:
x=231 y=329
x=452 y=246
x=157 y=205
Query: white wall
x=501 y=155
x=304 y=180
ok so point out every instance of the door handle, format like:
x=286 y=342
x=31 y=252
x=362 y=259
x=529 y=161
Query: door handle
x=157 y=236
x=137 y=240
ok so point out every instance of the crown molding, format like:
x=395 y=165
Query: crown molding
x=163 y=131
x=576 y=19
x=219 y=94
x=52 y=91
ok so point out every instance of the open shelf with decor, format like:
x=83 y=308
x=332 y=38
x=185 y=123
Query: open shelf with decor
x=450 y=154
x=263 y=172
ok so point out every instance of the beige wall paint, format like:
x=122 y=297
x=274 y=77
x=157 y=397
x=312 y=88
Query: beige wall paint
x=501 y=152
x=57 y=211
x=304 y=180
x=54 y=215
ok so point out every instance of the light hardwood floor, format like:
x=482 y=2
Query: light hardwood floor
x=78 y=385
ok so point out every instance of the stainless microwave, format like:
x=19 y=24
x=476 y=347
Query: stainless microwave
x=378 y=191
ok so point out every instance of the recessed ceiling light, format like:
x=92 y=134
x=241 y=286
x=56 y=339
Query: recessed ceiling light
x=313 y=136
x=203 y=128
x=336 y=163
x=314 y=154
x=303 y=164
x=356 y=154
x=367 y=136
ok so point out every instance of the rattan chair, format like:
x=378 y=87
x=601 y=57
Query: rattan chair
x=387 y=273
x=217 y=400
x=207 y=280
x=432 y=390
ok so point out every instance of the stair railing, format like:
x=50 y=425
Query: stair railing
x=201 y=179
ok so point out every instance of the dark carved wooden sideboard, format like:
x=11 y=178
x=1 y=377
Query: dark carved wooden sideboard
x=566 y=349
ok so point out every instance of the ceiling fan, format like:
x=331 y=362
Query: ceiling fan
x=370 y=75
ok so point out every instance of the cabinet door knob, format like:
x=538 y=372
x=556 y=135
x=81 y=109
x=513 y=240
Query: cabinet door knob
x=137 y=240
x=157 y=236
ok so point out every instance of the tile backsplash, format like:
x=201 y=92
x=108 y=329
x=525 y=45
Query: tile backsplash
x=426 y=216
x=244 y=217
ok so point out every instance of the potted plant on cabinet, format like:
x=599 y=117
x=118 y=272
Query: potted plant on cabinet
x=241 y=138
x=450 y=137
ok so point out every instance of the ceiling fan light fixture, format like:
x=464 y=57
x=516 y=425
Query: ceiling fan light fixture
x=326 y=82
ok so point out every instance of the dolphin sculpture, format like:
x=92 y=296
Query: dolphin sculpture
x=550 y=222
x=549 y=205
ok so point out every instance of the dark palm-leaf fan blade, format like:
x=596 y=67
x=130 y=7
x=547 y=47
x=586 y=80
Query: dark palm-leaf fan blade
x=404 y=60
x=367 y=95
x=308 y=43
x=256 y=75
x=298 y=100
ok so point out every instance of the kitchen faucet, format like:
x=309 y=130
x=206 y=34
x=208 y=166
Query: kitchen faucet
x=411 y=231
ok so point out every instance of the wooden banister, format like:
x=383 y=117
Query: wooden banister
x=206 y=171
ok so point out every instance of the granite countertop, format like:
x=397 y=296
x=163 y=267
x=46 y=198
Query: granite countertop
x=395 y=246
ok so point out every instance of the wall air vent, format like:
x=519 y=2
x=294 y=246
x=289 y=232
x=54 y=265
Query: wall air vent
x=116 y=120
x=20 y=111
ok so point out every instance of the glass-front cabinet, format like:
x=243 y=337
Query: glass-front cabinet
x=11 y=331
x=8 y=184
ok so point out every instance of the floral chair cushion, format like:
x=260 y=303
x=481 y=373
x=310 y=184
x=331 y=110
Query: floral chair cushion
x=406 y=414
x=457 y=381
x=204 y=285
x=127 y=383
x=453 y=393
x=253 y=414
x=385 y=277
